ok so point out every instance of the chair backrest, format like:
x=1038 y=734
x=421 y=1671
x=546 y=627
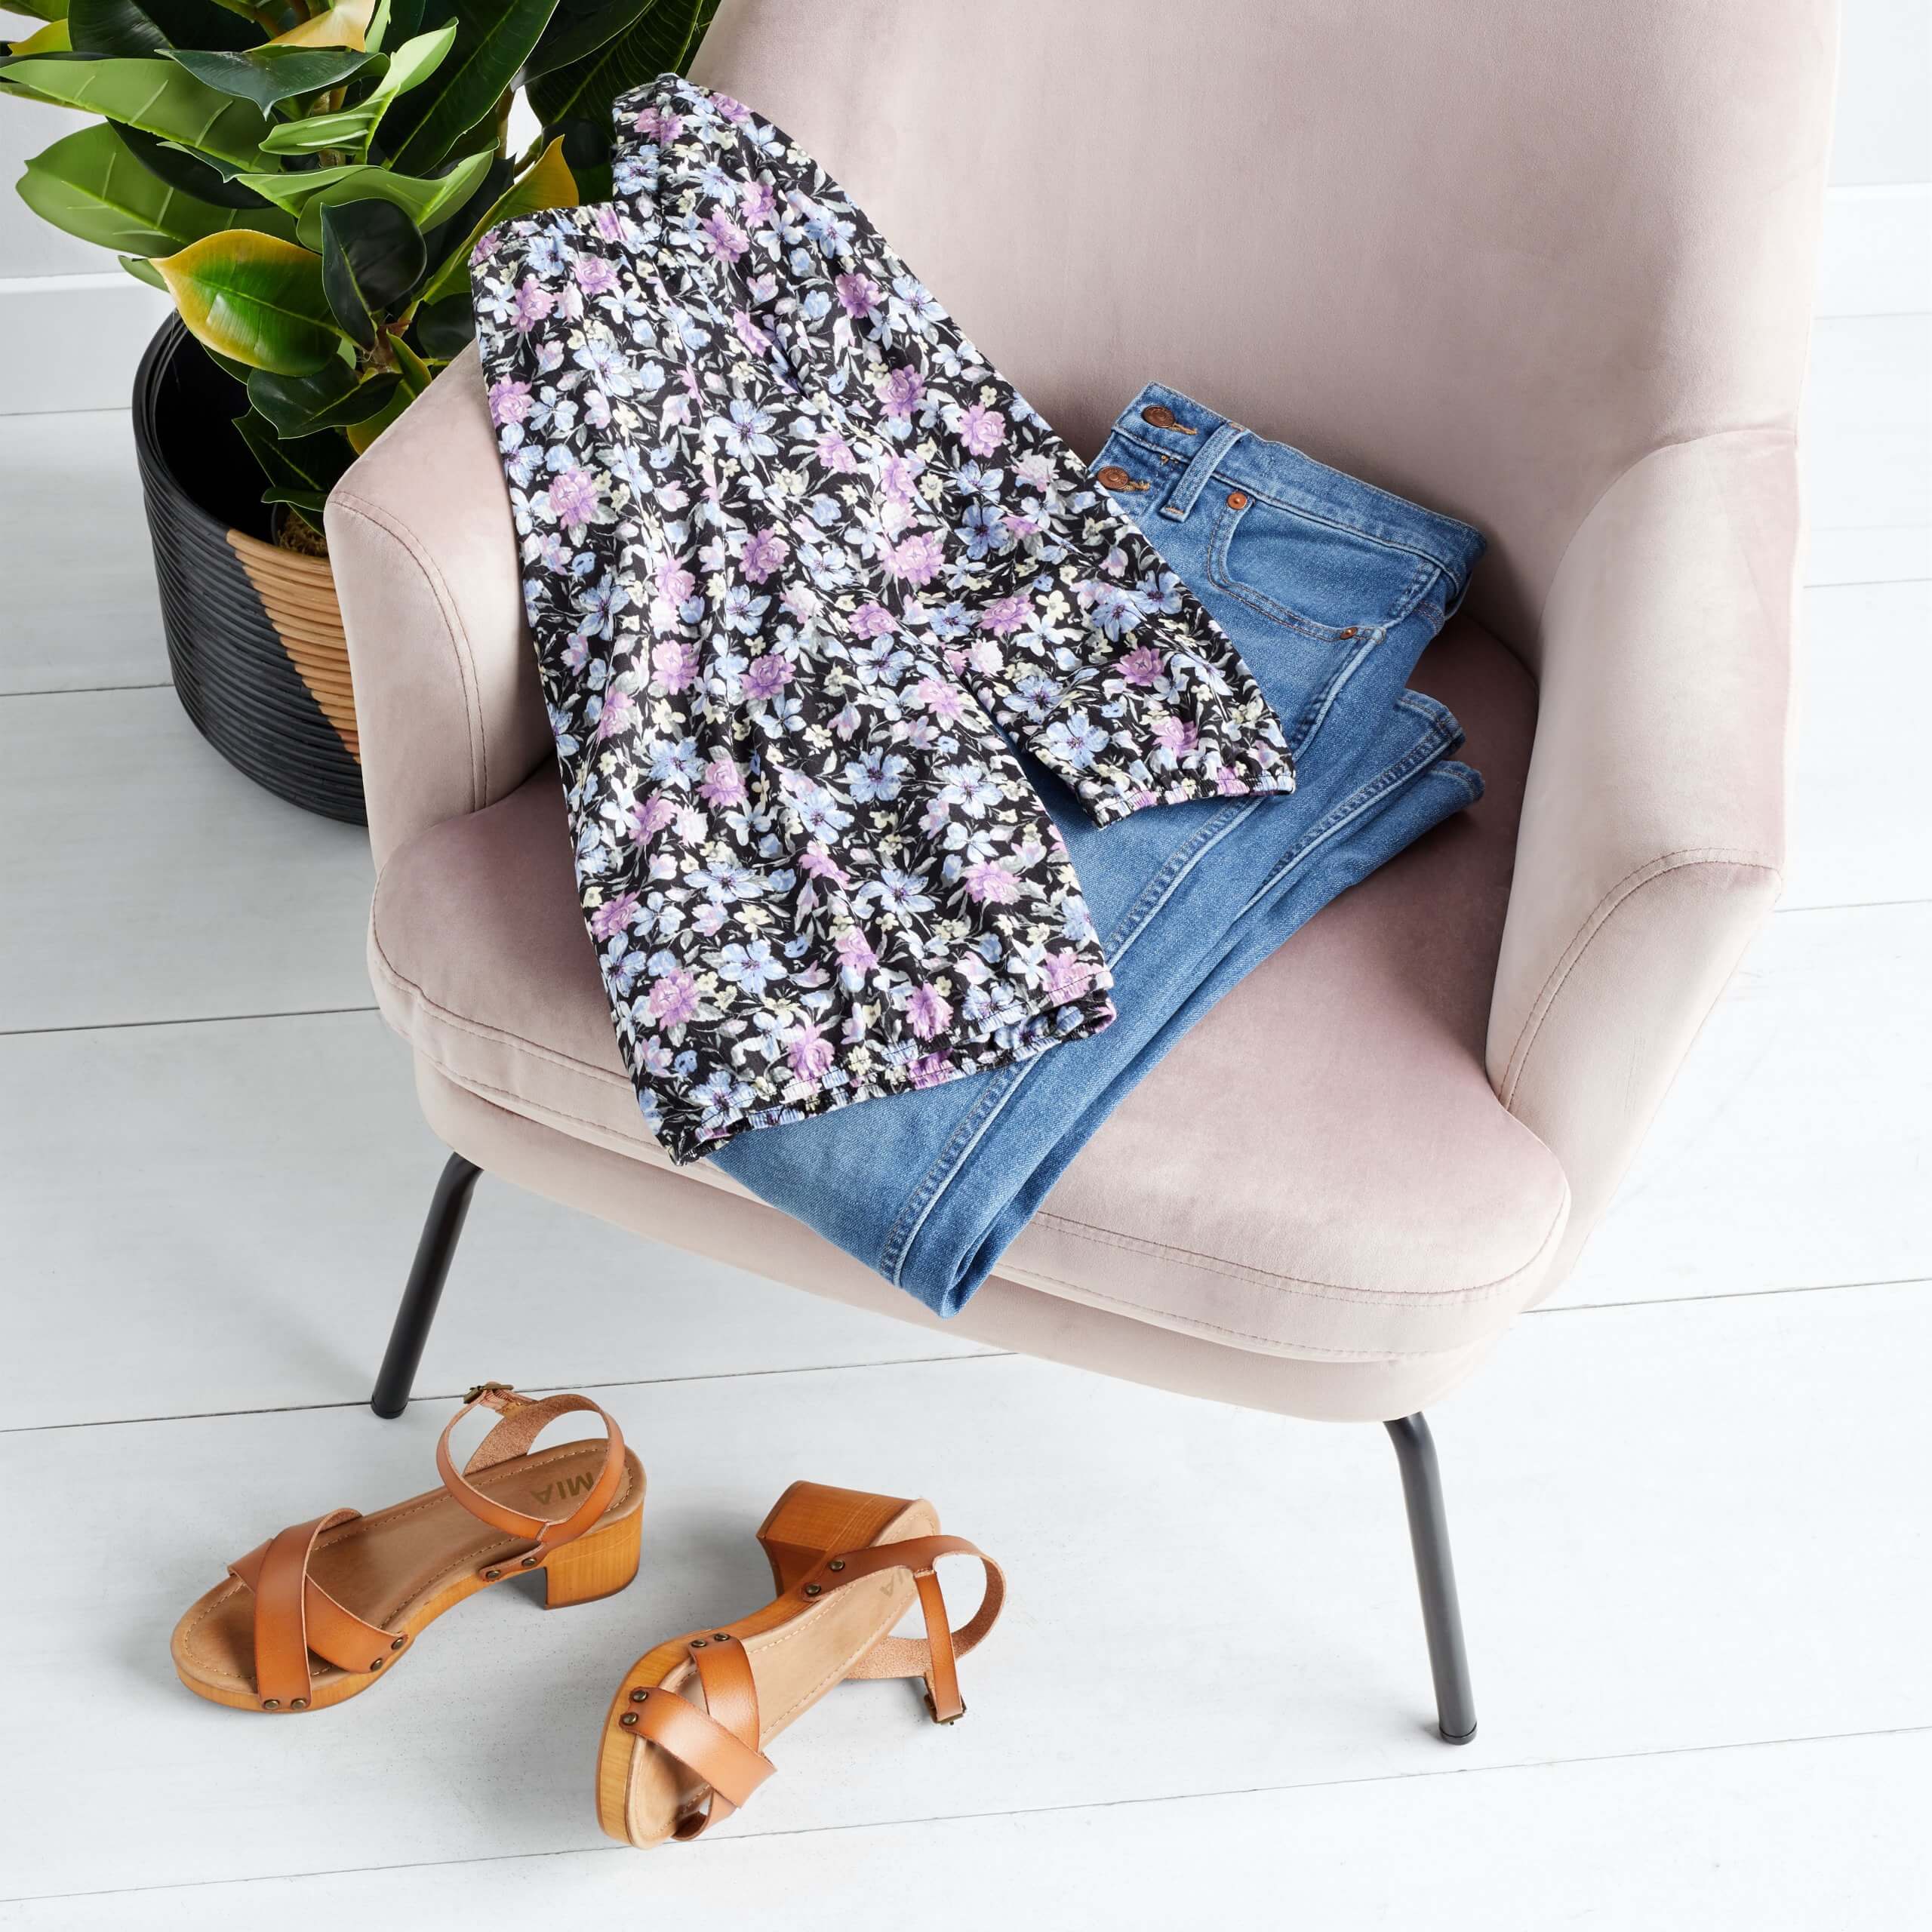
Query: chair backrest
x=1487 y=256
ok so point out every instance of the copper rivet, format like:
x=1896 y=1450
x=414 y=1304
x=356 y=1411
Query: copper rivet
x=629 y=1717
x=697 y=1643
x=529 y=1560
x=1237 y=499
x=721 y=1637
x=639 y=1697
x=490 y=1576
x=1159 y=414
x=839 y=1565
x=298 y=1703
x=1350 y=633
x=399 y=1644
x=272 y=1704
x=1113 y=478
x=813 y=1589
x=376 y=1664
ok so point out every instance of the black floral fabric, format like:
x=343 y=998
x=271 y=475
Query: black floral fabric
x=802 y=569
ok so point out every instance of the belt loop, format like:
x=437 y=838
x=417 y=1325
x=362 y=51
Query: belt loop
x=1200 y=467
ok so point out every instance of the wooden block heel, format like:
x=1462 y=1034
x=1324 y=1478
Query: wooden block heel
x=684 y=1742
x=598 y=1565
x=317 y=1614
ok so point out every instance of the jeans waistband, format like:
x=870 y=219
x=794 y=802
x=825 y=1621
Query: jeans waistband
x=1194 y=446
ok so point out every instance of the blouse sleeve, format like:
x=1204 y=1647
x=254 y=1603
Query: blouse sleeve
x=1107 y=669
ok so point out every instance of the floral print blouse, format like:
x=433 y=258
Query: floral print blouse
x=802 y=569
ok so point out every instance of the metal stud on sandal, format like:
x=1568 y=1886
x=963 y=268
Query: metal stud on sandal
x=683 y=1746
x=312 y=1616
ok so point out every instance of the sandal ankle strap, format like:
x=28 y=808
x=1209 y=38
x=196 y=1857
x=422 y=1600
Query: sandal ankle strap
x=525 y=1418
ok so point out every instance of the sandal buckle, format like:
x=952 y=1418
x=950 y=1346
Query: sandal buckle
x=483 y=1388
x=932 y=1711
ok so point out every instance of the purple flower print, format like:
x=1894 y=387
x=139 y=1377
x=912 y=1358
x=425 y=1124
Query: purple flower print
x=757 y=204
x=871 y=620
x=650 y=817
x=858 y=295
x=620 y=714
x=1143 y=667
x=573 y=496
x=1004 y=616
x=675 y=663
x=1177 y=736
x=941 y=698
x=655 y=125
x=981 y=429
x=815 y=864
x=1067 y=974
x=614 y=916
x=898 y=477
x=532 y=303
x=1228 y=783
x=900 y=391
x=810 y=1053
x=509 y=401
x=673 y=1001
x=989 y=885
x=918 y=558
x=765 y=550
x=855 y=957
x=766 y=676
x=674 y=582
x=835 y=454
x=723 y=236
x=596 y=274
x=934 y=1070
x=749 y=332
x=724 y=783
x=927 y=1012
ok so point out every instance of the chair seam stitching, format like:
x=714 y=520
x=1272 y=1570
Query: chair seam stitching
x=1689 y=859
x=419 y=555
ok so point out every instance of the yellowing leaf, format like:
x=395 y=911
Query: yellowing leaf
x=255 y=299
x=346 y=24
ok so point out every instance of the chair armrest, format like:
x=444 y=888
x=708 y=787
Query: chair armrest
x=447 y=707
x=1653 y=824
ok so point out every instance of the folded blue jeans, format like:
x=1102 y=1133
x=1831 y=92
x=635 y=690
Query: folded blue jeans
x=1329 y=588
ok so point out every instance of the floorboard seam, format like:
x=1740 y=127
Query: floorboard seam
x=718 y=1847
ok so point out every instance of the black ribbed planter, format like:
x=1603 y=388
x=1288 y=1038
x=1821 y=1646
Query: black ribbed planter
x=255 y=634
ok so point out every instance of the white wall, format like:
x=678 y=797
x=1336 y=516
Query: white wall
x=73 y=324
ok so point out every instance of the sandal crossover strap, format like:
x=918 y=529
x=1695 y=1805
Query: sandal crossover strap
x=294 y=1616
x=717 y=1743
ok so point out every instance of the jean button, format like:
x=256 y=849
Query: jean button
x=1237 y=499
x=1159 y=414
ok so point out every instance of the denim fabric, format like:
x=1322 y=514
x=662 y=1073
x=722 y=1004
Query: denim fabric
x=1329 y=588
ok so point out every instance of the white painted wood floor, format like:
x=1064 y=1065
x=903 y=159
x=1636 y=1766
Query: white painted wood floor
x=1689 y=1499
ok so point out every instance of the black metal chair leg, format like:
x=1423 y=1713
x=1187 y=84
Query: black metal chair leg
x=1441 y=1617
x=426 y=1277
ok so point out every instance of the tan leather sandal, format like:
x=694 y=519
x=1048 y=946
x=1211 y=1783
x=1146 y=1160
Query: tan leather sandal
x=684 y=1745
x=315 y=1614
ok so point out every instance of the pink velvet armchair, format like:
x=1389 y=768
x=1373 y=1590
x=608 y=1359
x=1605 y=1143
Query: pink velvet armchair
x=1547 y=268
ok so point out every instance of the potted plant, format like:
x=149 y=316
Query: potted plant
x=306 y=180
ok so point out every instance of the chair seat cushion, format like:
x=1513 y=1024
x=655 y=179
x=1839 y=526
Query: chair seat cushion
x=1320 y=1168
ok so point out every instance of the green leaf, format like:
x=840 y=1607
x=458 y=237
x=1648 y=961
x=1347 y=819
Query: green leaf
x=350 y=129
x=663 y=40
x=143 y=271
x=362 y=434
x=301 y=470
x=267 y=76
x=372 y=257
x=367 y=399
x=193 y=176
x=548 y=184
x=155 y=95
x=412 y=63
x=255 y=299
x=89 y=185
x=52 y=38
x=425 y=202
x=492 y=41
x=416 y=374
x=577 y=29
x=39 y=10
x=446 y=328
x=290 y=402
x=152 y=27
